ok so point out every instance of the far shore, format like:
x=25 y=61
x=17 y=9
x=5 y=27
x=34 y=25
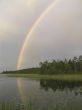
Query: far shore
x=68 y=77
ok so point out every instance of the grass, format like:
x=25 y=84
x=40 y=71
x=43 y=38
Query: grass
x=67 y=77
x=12 y=106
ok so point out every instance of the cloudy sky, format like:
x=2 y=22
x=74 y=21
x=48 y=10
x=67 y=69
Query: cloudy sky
x=58 y=36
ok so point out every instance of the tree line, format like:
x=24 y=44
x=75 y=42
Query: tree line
x=65 y=66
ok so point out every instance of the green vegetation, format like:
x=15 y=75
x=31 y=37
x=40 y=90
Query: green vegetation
x=71 y=66
x=67 y=77
x=61 y=70
x=12 y=106
x=24 y=71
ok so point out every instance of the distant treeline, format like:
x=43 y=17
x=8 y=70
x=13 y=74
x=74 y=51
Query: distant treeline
x=24 y=71
x=70 y=66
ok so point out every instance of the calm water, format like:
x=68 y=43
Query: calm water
x=40 y=94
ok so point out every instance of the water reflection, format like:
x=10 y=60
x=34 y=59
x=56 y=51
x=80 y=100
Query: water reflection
x=53 y=94
x=72 y=86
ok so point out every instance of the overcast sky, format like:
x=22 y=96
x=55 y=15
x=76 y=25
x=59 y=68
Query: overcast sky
x=58 y=36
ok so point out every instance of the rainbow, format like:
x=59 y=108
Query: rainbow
x=37 y=22
x=21 y=91
x=24 y=46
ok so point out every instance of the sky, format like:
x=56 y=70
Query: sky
x=58 y=36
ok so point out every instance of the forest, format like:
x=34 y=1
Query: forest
x=65 y=66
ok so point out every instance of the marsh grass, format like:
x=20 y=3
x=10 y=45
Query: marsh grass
x=67 y=77
x=14 y=106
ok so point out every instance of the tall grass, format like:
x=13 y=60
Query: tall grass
x=67 y=77
x=13 y=106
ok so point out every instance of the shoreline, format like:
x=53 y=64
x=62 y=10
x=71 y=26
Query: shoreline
x=67 y=77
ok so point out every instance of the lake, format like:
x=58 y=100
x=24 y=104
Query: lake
x=23 y=94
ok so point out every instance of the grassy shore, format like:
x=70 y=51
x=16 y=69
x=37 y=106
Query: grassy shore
x=67 y=77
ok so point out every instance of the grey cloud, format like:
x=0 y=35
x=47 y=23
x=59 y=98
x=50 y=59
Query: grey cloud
x=17 y=20
x=59 y=35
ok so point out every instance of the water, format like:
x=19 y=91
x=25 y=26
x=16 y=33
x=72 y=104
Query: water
x=22 y=93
